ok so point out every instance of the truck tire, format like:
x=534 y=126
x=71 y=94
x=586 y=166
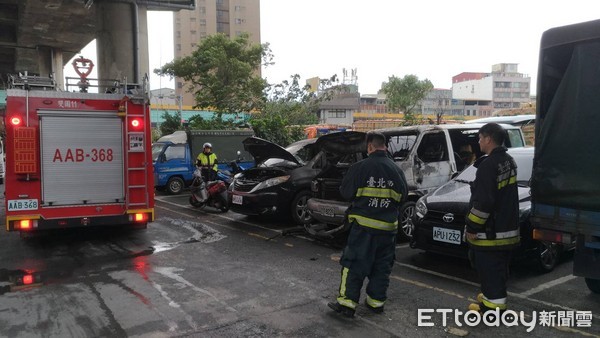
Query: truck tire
x=593 y=284
x=405 y=221
x=300 y=214
x=175 y=185
x=547 y=256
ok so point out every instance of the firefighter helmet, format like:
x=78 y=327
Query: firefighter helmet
x=207 y=145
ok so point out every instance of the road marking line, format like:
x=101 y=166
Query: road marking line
x=439 y=274
x=517 y=295
x=512 y=294
x=401 y=246
x=427 y=286
x=451 y=293
x=548 y=285
x=216 y=215
x=160 y=198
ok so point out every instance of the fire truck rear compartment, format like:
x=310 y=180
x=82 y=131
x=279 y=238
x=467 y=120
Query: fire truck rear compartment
x=82 y=158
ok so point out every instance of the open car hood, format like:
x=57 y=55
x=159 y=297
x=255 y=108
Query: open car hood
x=263 y=150
x=344 y=142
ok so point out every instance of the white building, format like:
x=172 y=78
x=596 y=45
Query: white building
x=483 y=93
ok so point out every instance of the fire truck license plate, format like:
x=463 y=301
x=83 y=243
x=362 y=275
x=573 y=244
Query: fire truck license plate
x=16 y=205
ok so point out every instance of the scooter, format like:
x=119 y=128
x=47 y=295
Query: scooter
x=226 y=175
x=212 y=193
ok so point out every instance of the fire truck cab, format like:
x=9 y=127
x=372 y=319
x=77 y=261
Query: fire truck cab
x=76 y=159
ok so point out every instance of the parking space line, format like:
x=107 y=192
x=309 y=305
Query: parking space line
x=451 y=293
x=548 y=285
x=512 y=294
x=438 y=274
x=427 y=286
x=272 y=238
x=220 y=216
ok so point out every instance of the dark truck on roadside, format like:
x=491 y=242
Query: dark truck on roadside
x=174 y=155
x=565 y=184
x=429 y=156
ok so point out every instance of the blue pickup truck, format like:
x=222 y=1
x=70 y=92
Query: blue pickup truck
x=174 y=155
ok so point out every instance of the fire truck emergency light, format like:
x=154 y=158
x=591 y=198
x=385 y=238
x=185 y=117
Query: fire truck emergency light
x=15 y=121
x=140 y=217
x=136 y=123
x=27 y=279
x=25 y=224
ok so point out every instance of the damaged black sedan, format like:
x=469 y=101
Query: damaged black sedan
x=280 y=182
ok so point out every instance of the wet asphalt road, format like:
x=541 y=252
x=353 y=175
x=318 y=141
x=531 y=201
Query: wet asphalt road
x=208 y=274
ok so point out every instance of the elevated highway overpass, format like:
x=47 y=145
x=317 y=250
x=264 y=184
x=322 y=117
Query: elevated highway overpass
x=41 y=36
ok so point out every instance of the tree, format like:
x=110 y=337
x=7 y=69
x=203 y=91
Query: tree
x=170 y=124
x=288 y=108
x=441 y=105
x=214 y=123
x=222 y=73
x=404 y=94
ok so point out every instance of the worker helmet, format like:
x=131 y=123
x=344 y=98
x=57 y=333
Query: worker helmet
x=207 y=145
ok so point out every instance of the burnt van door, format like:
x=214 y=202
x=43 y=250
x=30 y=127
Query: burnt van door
x=82 y=158
x=432 y=166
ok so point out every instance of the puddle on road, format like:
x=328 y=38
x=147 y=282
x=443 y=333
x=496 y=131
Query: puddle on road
x=77 y=257
x=201 y=233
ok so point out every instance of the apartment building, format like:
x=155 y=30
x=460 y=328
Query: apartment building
x=481 y=94
x=230 y=17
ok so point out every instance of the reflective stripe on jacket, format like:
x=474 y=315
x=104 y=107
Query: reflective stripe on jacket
x=208 y=160
x=494 y=204
x=377 y=188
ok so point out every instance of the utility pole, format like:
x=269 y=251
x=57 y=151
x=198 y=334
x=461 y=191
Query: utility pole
x=180 y=102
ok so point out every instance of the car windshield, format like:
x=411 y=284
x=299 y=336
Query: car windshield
x=301 y=152
x=401 y=145
x=515 y=139
x=524 y=167
x=156 y=149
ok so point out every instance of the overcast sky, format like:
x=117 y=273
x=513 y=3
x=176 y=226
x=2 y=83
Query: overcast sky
x=432 y=39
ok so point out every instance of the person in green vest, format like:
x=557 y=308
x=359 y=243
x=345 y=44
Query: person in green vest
x=207 y=161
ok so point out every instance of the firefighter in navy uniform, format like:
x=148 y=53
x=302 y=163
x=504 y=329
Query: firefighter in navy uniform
x=207 y=161
x=377 y=188
x=492 y=225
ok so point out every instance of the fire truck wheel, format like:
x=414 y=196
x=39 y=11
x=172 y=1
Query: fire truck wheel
x=175 y=186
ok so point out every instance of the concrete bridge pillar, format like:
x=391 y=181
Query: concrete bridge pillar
x=122 y=41
x=50 y=61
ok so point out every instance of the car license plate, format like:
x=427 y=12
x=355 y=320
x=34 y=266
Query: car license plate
x=17 y=205
x=327 y=211
x=446 y=235
x=236 y=199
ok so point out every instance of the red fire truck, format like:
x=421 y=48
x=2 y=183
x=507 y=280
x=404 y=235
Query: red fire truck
x=76 y=159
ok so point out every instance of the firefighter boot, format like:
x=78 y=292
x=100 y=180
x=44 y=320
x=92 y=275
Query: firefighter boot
x=344 y=310
x=377 y=310
x=476 y=306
